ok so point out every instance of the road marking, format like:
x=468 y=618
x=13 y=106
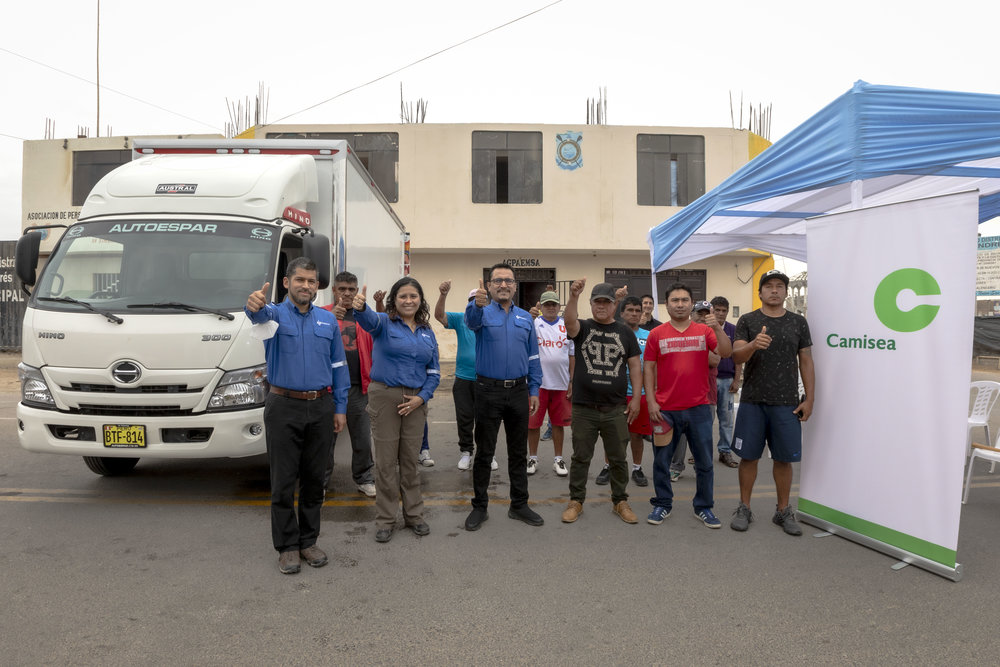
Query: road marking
x=439 y=499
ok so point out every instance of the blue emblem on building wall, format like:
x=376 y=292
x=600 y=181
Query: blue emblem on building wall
x=569 y=155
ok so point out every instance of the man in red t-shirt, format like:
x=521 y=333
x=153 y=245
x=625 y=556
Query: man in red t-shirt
x=676 y=379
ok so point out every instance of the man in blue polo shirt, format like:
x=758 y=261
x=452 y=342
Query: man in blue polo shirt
x=307 y=404
x=508 y=377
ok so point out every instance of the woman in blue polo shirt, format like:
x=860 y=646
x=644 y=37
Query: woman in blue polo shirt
x=405 y=372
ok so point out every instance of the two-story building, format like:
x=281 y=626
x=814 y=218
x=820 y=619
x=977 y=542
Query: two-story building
x=558 y=202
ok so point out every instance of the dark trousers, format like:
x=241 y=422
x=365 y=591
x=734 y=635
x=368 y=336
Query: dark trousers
x=589 y=423
x=696 y=424
x=464 y=393
x=360 y=429
x=496 y=405
x=299 y=437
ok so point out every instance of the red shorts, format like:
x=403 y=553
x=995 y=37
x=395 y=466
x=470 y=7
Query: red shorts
x=554 y=402
x=641 y=425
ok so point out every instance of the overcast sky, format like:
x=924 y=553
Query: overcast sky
x=662 y=62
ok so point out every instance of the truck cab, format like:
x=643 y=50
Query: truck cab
x=134 y=340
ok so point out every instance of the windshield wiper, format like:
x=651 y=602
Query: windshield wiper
x=185 y=306
x=68 y=299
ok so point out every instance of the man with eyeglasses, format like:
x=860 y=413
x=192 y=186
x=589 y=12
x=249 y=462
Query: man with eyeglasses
x=508 y=377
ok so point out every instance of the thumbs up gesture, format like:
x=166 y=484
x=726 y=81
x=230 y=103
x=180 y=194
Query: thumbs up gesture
x=359 y=298
x=762 y=341
x=482 y=298
x=258 y=299
x=536 y=310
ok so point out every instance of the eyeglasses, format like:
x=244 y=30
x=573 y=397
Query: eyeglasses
x=502 y=281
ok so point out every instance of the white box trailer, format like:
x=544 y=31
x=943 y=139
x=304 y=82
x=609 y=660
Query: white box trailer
x=134 y=343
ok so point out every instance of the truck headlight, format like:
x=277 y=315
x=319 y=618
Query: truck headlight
x=34 y=391
x=240 y=389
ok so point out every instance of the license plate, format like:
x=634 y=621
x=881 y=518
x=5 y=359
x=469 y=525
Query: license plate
x=126 y=436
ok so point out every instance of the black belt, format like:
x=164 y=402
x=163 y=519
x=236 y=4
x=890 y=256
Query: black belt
x=301 y=395
x=506 y=384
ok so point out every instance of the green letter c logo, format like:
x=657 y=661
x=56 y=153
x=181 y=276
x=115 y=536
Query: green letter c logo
x=922 y=284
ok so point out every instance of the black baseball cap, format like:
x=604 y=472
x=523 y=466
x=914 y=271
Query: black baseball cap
x=773 y=273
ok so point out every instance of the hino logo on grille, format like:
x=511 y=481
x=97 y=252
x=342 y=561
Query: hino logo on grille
x=126 y=372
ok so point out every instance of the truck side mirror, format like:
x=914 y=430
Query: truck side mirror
x=26 y=257
x=317 y=248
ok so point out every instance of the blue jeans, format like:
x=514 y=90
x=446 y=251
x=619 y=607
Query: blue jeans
x=724 y=409
x=696 y=424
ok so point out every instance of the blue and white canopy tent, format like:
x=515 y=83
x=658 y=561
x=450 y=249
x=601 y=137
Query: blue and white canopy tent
x=899 y=165
x=873 y=145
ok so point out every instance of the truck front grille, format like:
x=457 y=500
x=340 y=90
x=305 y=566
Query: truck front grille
x=145 y=389
x=132 y=410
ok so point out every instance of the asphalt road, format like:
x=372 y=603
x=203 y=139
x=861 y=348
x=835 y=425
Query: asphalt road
x=173 y=565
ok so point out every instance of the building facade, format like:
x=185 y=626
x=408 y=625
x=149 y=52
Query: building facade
x=557 y=202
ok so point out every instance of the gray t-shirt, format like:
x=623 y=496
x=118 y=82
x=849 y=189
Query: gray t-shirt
x=772 y=375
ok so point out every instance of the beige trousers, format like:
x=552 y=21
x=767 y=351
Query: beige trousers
x=396 y=443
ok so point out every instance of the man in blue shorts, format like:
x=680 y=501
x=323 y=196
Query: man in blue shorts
x=775 y=347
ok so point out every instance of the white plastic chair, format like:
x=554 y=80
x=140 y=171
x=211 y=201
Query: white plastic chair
x=987 y=393
x=991 y=454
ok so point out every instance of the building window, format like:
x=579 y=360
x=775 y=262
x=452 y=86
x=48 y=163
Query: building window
x=90 y=167
x=378 y=151
x=507 y=167
x=639 y=283
x=670 y=169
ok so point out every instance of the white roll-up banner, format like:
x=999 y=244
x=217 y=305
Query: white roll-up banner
x=891 y=312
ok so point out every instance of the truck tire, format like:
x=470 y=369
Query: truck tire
x=109 y=466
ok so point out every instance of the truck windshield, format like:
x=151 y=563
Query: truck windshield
x=131 y=265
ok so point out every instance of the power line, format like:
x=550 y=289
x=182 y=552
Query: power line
x=11 y=136
x=112 y=90
x=417 y=62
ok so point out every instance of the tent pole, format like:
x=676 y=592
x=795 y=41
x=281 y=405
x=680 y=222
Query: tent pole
x=857 y=198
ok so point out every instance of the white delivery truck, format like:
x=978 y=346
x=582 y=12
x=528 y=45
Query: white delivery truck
x=134 y=340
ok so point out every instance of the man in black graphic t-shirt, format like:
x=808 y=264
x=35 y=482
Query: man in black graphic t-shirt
x=605 y=350
x=775 y=347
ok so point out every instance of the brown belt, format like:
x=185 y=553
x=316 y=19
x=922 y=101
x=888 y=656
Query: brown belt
x=301 y=395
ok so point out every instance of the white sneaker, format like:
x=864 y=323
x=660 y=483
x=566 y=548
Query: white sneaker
x=560 y=467
x=367 y=488
x=425 y=458
x=532 y=466
x=494 y=465
x=465 y=462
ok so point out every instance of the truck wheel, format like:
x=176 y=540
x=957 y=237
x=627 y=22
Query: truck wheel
x=109 y=466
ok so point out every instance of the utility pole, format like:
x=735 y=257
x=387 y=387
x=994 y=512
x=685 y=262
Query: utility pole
x=98 y=68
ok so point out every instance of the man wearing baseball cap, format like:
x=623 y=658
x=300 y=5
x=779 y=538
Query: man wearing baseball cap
x=555 y=352
x=605 y=349
x=775 y=346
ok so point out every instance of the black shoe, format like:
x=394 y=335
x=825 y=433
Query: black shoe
x=420 y=529
x=383 y=534
x=639 y=478
x=525 y=514
x=604 y=476
x=475 y=519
